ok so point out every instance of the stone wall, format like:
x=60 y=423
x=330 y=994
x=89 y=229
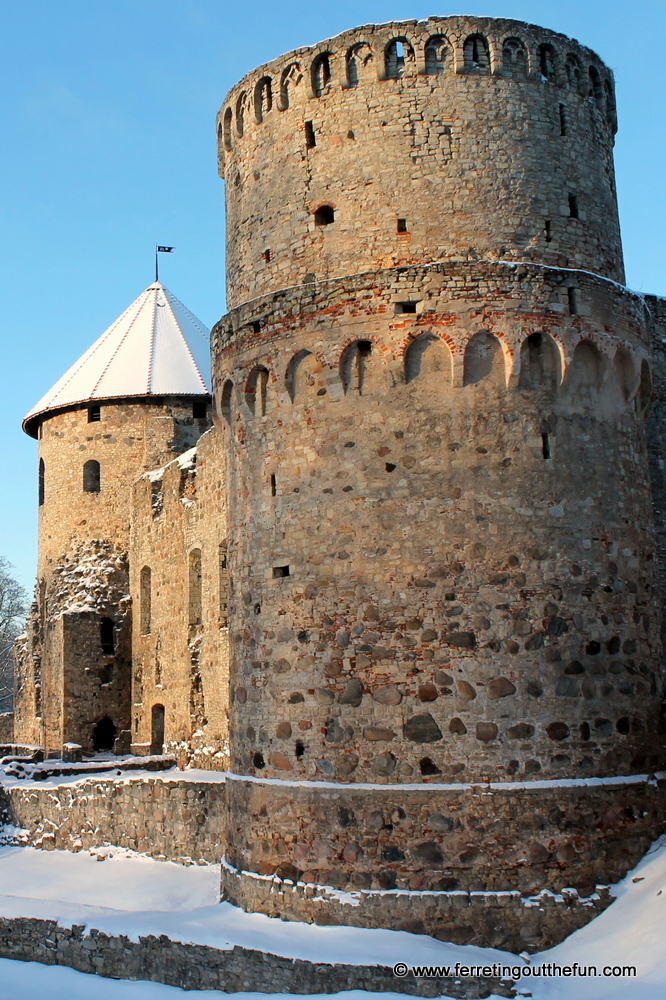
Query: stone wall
x=483 y=138
x=180 y=820
x=197 y=967
x=181 y=655
x=7 y=727
x=656 y=436
x=470 y=558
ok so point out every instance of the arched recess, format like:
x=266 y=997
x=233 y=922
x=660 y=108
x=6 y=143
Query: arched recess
x=104 y=734
x=399 y=59
x=611 y=110
x=437 y=55
x=476 y=55
x=540 y=363
x=41 y=478
x=625 y=375
x=359 y=60
x=255 y=391
x=573 y=72
x=596 y=91
x=305 y=377
x=514 y=58
x=290 y=79
x=584 y=374
x=92 y=482
x=263 y=98
x=145 y=600
x=645 y=393
x=240 y=113
x=547 y=61
x=320 y=73
x=425 y=355
x=484 y=361
x=226 y=124
x=360 y=368
x=226 y=400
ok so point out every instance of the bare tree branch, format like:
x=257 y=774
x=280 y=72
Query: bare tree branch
x=13 y=609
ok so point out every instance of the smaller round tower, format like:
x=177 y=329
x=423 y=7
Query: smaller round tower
x=135 y=399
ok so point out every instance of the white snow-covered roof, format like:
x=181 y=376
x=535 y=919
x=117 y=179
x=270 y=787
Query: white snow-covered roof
x=155 y=348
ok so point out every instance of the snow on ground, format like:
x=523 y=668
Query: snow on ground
x=130 y=894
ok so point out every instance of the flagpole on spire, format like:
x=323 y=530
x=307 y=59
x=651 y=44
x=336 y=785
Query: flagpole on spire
x=159 y=249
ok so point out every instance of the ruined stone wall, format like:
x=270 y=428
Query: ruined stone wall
x=478 y=137
x=656 y=433
x=180 y=820
x=7 y=727
x=180 y=656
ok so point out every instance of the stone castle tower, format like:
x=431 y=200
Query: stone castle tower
x=432 y=388
x=134 y=400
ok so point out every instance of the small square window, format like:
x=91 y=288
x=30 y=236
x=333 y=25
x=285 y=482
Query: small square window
x=279 y=571
x=94 y=414
x=402 y=225
x=405 y=307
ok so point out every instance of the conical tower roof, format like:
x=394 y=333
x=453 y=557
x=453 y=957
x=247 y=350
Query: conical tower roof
x=155 y=348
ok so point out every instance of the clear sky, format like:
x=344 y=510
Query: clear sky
x=107 y=114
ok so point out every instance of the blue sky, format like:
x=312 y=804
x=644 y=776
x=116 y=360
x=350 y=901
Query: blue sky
x=107 y=112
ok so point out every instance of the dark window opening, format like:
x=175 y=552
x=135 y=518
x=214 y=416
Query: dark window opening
x=546 y=61
x=547 y=231
x=199 y=409
x=258 y=760
x=405 y=307
x=324 y=216
x=106 y=673
x=300 y=749
x=572 y=294
x=279 y=571
x=573 y=206
x=593 y=648
x=157 y=729
x=223 y=585
x=226 y=400
x=310 y=139
x=104 y=734
x=321 y=74
x=256 y=326
x=94 y=414
x=91 y=477
x=266 y=255
x=402 y=225
x=545 y=446
x=273 y=485
x=107 y=636
x=41 y=481
x=194 y=587
x=564 y=124
x=428 y=767
x=389 y=466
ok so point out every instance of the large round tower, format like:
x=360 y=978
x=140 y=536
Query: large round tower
x=433 y=392
x=137 y=397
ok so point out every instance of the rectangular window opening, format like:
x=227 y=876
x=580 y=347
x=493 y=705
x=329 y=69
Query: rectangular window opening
x=402 y=225
x=273 y=486
x=256 y=326
x=572 y=294
x=279 y=571
x=564 y=125
x=547 y=231
x=573 y=206
x=94 y=414
x=199 y=409
x=310 y=139
x=545 y=446
x=405 y=307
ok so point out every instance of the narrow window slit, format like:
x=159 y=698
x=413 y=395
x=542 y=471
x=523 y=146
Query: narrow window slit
x=547 y=231
x=300 y=749
x=573 y=206
x=310 y=139
x=402 y=225
x=256 y=326
x=564 y=124
x=273 y=486
x=545 y=446
x=572 y=294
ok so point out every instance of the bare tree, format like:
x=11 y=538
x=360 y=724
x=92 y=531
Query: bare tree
x=13 y=609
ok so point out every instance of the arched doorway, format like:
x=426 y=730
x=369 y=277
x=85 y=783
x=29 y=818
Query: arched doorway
x=157 y=729
x=104 y=735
